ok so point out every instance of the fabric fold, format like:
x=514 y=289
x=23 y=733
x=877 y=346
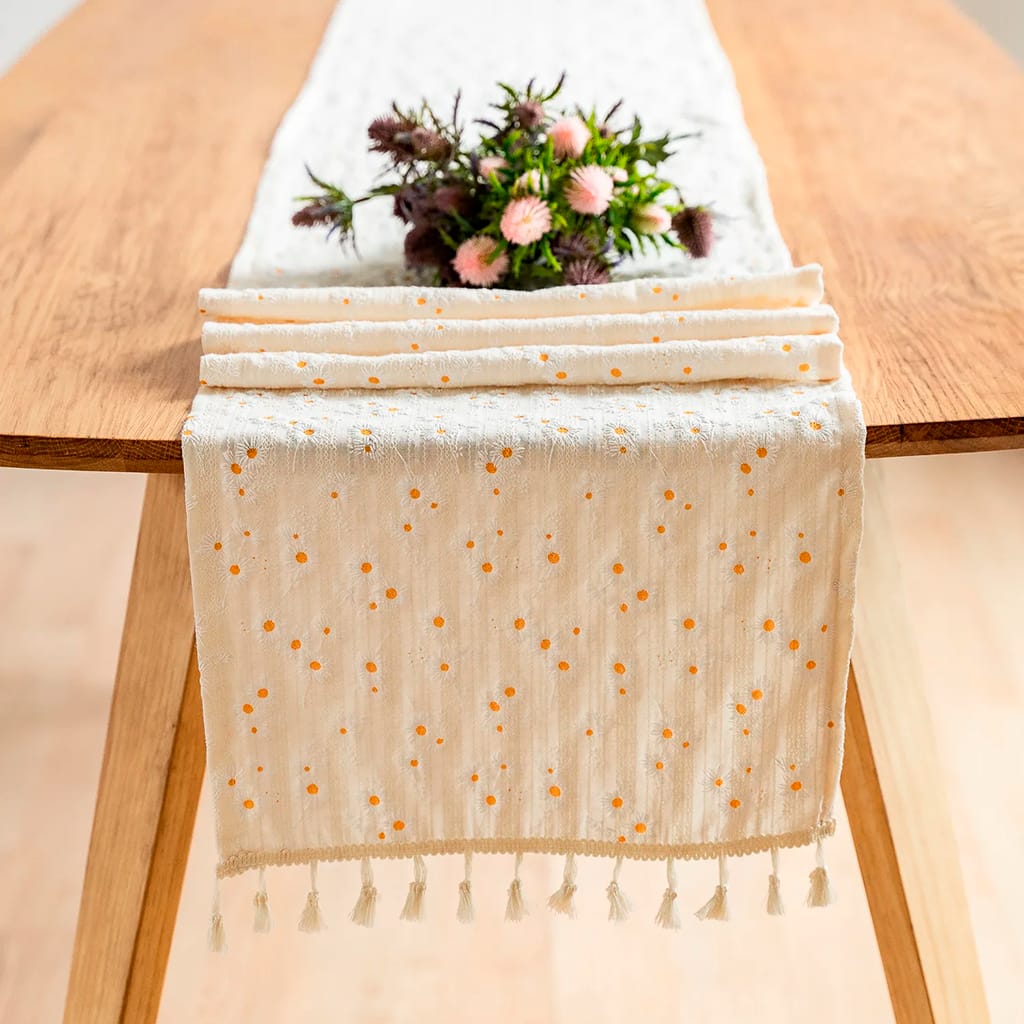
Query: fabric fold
x=801 y=286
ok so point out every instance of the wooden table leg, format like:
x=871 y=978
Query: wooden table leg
x=152 y=773
x=893 y=788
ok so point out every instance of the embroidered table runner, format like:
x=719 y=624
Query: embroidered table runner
x=487 y=572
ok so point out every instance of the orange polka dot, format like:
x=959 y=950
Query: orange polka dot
x=366 y=567
x=371 y=666
x=688 y=623
x=757 y=694
x=640 y=828
x=398 y=825
x=231 y=782
x=620 y=668
x=741 y=709
x=805 y=556
x=262 y=692
x=794 y=645
x=301 y=557
x=768 y=625
x=312 y=789
x=381 y=835
x=414 y=763
x=553 y=557
x=374 y=800
x=738 y=569
x=248 y=805
x=315 y=666
x=268 y=626
x=615 y=371
x=616 y=801
x=745 y=467
x=812 y=665
x=439 y=740
x=618 y=568
x=439 y=621
x=734 y=803
x=407 y=527
x=234 y=570
x=554 y=791
x=487 y=567
x=666 y=734
x=414 y=493
x=796 y=785
x=545 y=644
x=491 y=467
x=642 y=595
x=762 y=453
x=236 y=468
x=723 y=546
x=217 y=545
x=519 y=623
x=491 y=799
x=474 y=777
x=563 y=666
x=494 y=706
x=693 y=670
x=247 y=708
x=670 y=495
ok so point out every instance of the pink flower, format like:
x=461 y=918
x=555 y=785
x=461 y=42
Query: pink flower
x=651 y=219
x=589 y=190
x=489 y=165
x=619 y=174
x=531 y=181
x=525 y=220
x=569 y=136
x=471 y=261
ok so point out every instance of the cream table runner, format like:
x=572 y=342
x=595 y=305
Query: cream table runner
x=576 y=578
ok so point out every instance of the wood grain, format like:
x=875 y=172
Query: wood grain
x=152 y=770
x=887 y=137
x=899 y=815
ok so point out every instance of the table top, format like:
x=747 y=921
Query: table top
x=133 y=137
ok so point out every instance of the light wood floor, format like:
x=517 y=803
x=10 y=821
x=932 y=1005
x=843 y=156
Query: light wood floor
x=959 y=526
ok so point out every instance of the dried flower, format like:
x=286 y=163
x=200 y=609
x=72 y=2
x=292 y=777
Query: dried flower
x=312 y=215
x=526 y=220
x=429 y=145
x=574 y=245
x=589 y=190
x=475 y=262
x=586 y=270
x=569 y=137
x=424 y=247
x=453 y=199
x=651 y=219
x=695 y=229
x=528 y=115
x=489 y=165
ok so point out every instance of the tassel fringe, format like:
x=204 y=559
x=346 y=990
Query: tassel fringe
x=215 y=937
x=365 y=910
x=774 y=905
x=618 y=902
x=668 y=912
x=821 y=893
x=312 y=919
x=413 y=909
x=717 y=908
x=465 y=914
x=562 y=900
x=261 y=919
x=515 y=909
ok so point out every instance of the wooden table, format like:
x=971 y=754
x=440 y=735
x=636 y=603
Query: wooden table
x=132 y=140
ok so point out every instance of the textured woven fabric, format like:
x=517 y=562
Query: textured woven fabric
x=497 y=612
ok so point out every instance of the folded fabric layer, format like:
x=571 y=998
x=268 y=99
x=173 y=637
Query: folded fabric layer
x=790 y=357
x=799 y=287
x=375 y=338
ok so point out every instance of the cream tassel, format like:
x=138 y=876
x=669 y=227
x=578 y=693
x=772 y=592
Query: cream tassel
x=261 y=919
x=312 y=920
x=364 y=910
x=561 y=900
x=413 y=909
x=775 y=907
x=717 y=908
x=465 y=912
x=216 y=939
x=821 y=893
x=618 y=901
x=515 y=909
x=668 y=912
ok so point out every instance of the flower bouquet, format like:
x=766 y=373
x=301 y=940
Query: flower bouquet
x=545 y=197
